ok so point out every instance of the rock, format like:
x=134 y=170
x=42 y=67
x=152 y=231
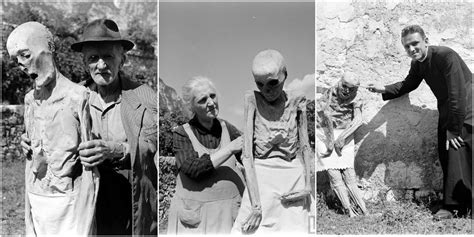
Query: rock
x=390 y=196
x=392 y=4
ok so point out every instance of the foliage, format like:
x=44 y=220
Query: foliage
x=142 y=36
x=168 y=121
x=167 y=176
x=141 y=66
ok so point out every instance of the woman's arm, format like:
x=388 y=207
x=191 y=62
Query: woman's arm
x=194 y=166
x=187 y=159
x=221 y=156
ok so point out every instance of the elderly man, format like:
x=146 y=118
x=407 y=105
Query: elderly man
x=124 y=131
x=59 y=194
x=451 y=82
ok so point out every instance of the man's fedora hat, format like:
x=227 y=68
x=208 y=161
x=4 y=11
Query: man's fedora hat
x=101 y=30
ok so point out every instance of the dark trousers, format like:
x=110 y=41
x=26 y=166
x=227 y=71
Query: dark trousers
x=457 y=169
x=114 y=202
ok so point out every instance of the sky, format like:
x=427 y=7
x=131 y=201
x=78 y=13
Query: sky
x=220 y=40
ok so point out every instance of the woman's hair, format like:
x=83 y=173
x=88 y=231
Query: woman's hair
x=190 y=85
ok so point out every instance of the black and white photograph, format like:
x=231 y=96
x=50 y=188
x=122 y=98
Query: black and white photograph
x=79 y=118
x=236 y=119
x=218 y=117
x=394 y=117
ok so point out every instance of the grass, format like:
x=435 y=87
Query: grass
x=13 y=198
x=401 y=217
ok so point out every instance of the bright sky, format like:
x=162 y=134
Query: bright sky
x=220 y=40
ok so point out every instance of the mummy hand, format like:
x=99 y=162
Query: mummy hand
x=294 y=196
x=252 y=222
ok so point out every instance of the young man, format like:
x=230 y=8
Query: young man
x=451 y=82
x=124 y=130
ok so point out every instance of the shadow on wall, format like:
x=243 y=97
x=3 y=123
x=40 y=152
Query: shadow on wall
x=396 y=150
x=398 y=147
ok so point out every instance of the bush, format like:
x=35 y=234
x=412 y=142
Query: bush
x=167 y=176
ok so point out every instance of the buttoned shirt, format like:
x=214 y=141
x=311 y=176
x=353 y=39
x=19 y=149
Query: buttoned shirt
x=106 y=120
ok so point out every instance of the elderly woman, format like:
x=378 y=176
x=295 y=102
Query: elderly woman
x=209 y=185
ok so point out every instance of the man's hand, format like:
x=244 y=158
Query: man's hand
x=296 y=196
x=375 y=87
x=94 y=152
x=455 y=141
x=252 y=222
x=26 y=146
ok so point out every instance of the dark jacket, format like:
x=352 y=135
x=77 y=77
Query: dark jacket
x=451 y=82
x=139 y=113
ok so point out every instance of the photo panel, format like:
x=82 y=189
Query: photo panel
x=79 y=115
x=387 y=96
x=214 y=77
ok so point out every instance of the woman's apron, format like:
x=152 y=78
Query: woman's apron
x=210 y=205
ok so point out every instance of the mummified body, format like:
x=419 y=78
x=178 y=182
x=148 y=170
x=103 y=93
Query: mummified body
x=276 y=153
x=337 y=118
x=60 y=194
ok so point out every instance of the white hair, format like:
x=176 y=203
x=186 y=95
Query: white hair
x=190 y=85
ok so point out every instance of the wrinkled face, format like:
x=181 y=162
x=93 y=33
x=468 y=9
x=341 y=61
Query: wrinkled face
x=104 y=61
x=346 y=90
x=31 y=50
x=205 y=104
x=415 y=46
x=270 y=85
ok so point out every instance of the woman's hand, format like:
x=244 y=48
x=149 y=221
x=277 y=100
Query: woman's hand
x=252 y=222
x=221 y=156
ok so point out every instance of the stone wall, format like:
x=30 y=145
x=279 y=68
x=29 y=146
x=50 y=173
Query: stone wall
x=11 y=129
x=396 y=145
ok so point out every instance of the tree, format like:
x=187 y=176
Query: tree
x=15 y=83
x=66 y=28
